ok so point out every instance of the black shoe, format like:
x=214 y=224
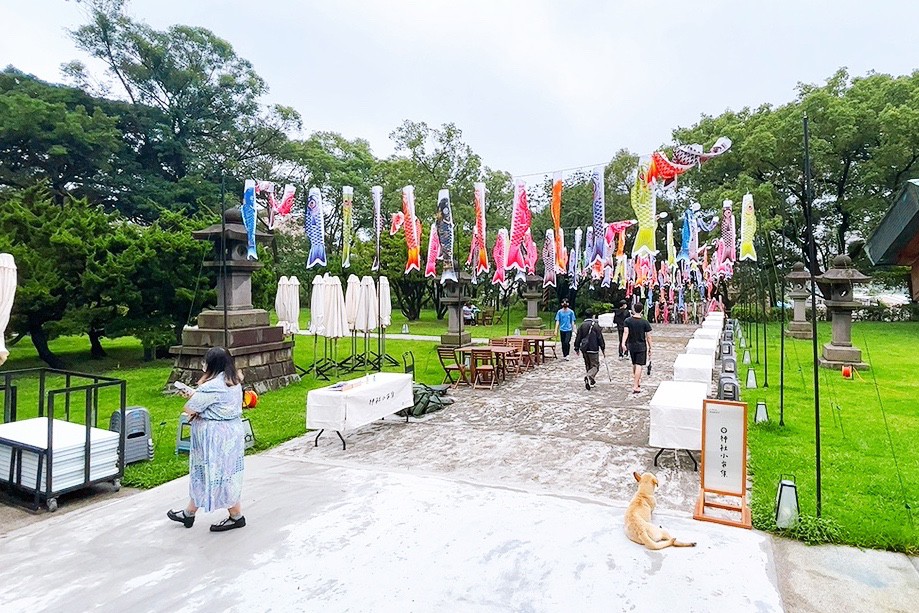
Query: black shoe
x=180 y=516
x=228 y=524
x=593 y=381
x=587 y=383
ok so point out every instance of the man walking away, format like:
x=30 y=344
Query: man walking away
x=622 y=313
x=637 y=339
x=589 y=340
x=564 y=323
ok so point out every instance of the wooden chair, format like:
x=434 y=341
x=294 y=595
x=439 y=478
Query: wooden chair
x=483 y=365
x=448 y=361
x=524 y=357
x=546 y=344
x=488 y=316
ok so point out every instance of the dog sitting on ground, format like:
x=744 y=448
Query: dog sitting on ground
x=638 y=526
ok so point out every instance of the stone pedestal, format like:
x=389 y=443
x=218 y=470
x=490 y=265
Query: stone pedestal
x=258 y=348
x=532 y=294
x=799 y=326
x=839 y=351
x=455 y=295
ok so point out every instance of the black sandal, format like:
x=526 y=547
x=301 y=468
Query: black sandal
x=182 y=517
x=229 y=524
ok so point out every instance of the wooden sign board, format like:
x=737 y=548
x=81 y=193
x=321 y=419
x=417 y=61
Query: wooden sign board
x=724 y=461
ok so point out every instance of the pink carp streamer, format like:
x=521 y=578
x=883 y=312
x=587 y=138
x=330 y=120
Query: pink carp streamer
x=499 y=253
x=520 y=224
x=478 y=251
x=406 y=218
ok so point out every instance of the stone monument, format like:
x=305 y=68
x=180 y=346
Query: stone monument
x=456 y=294
x=798 y=327
x=533 y=294
x=259 y=349
x=839 y=351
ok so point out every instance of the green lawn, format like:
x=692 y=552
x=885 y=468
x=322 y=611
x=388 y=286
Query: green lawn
x=279 y=416
x=864 y=501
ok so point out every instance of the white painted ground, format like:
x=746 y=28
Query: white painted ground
x=332 y=538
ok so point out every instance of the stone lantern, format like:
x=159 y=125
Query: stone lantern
x=533 y=292
x=798 y=278
x=456 y=294
x=841 y=278
x=258 y=348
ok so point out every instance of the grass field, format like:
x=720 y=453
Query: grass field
x=866 y=500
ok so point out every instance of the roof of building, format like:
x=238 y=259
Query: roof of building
x=896 y=239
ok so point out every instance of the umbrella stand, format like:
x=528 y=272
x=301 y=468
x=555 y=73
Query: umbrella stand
x=354 y=360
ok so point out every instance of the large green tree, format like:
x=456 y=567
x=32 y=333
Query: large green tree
x=864 y=134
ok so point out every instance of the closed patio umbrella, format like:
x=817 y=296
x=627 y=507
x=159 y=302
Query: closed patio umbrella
x=280 y=303
x=293 y=304
x=366 y=319
x=385 y=303
x=351 y=296
x=7 y=293
x=317 y=317
x=336 y=322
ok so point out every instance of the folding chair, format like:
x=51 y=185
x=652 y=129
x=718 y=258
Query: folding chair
x=448 y=361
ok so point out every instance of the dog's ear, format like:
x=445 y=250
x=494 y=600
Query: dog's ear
x=637 y=476
x=654 y=480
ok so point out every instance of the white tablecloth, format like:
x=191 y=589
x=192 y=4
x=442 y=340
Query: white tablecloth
x=713 y=324
x=692 y=367
x=376 y=396
x=606 y=320
x=703 y=346
x=703 y=332
x=676 y=415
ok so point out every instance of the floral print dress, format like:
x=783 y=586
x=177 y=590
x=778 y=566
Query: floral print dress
x=215 y=461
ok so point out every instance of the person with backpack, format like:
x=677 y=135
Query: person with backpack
x=589 y=341
x=637 y=339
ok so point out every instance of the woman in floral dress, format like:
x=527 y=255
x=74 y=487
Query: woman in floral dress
x=215 y=460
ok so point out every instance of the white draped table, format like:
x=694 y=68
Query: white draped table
x=351 y=404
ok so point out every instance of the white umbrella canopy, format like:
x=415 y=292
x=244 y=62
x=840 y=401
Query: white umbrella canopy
x=7 y=293
x=366 y=319
x=293 y=305
x=317 y=307
x=351 y=296
x=385 y=303
x=336 y=322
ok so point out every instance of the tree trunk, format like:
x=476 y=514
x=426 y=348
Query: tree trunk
x=96 y=352
x=40 y=341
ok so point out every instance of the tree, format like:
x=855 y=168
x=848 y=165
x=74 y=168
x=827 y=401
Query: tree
x=864 y=144
x=207 y=93
x=52 y=246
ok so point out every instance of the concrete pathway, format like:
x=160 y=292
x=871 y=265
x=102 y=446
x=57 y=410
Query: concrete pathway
x=510 y=500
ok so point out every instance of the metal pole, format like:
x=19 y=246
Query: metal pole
x=756 y=311
x=765 y=342
x=223 y=258
x=781 y=325
x=812 y=248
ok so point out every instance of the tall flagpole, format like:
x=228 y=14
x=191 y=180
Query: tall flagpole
x=223 y=259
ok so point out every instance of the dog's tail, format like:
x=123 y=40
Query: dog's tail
x=676 y=543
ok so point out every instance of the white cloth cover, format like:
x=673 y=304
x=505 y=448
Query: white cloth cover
x=7 y=293
x=692 y=367
x=376 y=396
x=293 y=305
x=336 y=321
x=606 y=320
x=707 y=333
x=385 y=303
x=713 y=324
x=351 y=296
x=366 y=319
x=703 y=346
x=317 y=306
x=676 y=415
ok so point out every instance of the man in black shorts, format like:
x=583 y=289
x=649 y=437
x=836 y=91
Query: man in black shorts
x=637 y=338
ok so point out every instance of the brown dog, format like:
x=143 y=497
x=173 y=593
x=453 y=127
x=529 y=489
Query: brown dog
x=638 y=526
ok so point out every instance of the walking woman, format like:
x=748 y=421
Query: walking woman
x=215 y=461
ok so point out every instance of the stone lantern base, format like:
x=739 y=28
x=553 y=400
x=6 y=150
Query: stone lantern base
x=799 y=329
x=455 y=339
x=837 y=356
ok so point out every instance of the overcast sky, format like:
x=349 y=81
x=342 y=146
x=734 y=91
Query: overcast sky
x=535 y=85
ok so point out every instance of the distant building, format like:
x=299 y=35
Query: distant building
x=895 y=242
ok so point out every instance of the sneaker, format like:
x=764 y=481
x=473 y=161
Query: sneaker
x=180 y=516
x=229 y=524
x=567 y=358
x=587 y=383
x=593 y=381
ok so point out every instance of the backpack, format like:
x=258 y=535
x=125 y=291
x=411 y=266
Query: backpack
x=585 y=342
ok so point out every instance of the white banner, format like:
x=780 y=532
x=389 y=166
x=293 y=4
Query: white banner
x=724 y=447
